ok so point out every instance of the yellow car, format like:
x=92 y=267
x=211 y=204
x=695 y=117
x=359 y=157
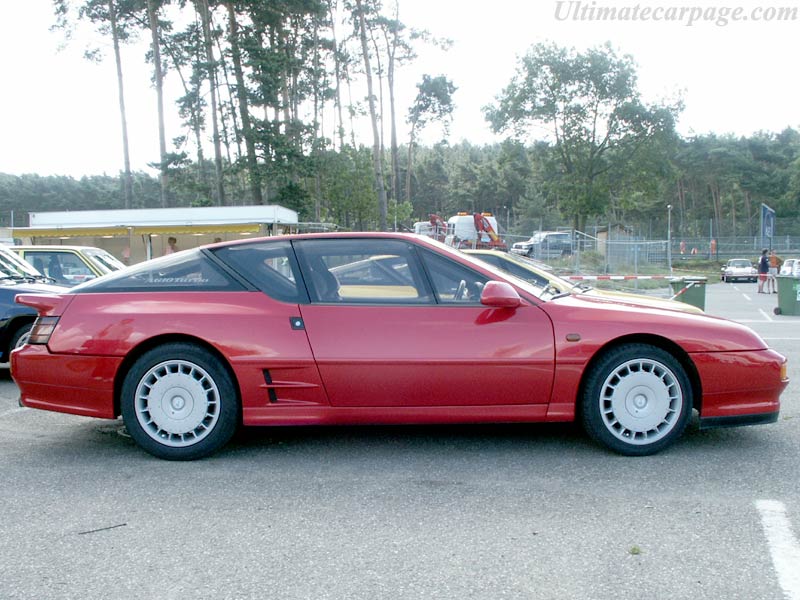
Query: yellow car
x=538 y=274
x=69 y=265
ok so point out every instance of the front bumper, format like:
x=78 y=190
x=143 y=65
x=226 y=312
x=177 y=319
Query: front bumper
x=739 y=420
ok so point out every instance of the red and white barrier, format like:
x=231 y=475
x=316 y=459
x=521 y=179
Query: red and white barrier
x=615 y=277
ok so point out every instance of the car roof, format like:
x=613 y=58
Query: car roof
x=334 y=235
x=52 y=247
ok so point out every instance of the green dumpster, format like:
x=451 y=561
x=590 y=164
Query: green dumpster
x=788 y=296
x=691 y=290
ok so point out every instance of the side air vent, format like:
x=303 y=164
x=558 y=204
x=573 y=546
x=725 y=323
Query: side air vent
x=273 y=396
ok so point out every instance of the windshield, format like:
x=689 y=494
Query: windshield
x=544 y=293
x=740 y=263
x=12 y=265
x=525 y=261
x=103 y=260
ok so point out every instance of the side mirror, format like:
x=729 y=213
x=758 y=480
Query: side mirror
x=499 y=294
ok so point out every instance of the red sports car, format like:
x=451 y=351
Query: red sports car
x=377 y=328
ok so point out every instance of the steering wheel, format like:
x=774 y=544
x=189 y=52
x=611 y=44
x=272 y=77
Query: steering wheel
x=461 y=291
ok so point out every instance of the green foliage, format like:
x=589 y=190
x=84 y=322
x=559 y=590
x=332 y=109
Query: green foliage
x=434 y=102
x=400 y=212
x=346 y=181
x=296 y=198
x=590 y=104
x=725 y=179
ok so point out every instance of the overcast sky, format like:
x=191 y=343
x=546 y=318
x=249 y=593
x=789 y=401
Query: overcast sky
x=58 y=112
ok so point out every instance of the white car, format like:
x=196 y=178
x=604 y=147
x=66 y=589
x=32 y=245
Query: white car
x=791 y=266
x=545 y=244
x=739 y=269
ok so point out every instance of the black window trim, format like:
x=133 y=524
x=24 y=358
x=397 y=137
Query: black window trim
x=302 y=291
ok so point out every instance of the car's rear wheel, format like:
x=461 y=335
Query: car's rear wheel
x=179 y=403
x=21 y=336
x=637 y=400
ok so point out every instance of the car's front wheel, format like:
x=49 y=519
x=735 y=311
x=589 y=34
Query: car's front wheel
x=637 y=400
x=179 y=403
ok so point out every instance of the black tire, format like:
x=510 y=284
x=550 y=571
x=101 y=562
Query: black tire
x=637 y=400
x=179 y=403
x=20 y=337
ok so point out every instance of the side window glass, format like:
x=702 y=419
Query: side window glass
x=269 y=266
x=190 y=271
x=362 y=271
x=453 y=283
x=63 y=267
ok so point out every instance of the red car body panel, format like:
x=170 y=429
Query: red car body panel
x=432 y=355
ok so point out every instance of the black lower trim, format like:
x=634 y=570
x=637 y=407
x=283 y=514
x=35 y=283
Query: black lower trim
x=738 y=421
x=271 y=393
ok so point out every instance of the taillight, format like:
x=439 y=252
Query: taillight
x=42 y=330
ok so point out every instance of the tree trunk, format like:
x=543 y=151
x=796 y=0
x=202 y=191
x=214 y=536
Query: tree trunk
x=319 y=104
x=159 y=80
x=241 y=91
x=127 y=180
x=337 y=73
x=376 y=140
x=410 y=159
x=211 y=63
x=747 y=209
x=392 y=51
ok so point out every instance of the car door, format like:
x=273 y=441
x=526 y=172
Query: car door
x=393 y=324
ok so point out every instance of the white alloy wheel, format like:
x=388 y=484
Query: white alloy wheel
x=177 y=403
x=22 y=340
x=641 y=401
x=20 y=337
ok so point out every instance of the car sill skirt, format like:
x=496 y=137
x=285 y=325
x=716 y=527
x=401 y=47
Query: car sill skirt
x=739 y=420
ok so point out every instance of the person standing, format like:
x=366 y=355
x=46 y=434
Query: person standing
x=172 y=246
x=763 y=270
x=772 y=279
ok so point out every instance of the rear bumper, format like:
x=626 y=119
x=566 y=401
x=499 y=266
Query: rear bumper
x=78 y=385
x=739 y=420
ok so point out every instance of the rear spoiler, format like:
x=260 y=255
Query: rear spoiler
x=46 y=304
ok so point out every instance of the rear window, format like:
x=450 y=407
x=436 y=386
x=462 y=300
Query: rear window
x=184 y=271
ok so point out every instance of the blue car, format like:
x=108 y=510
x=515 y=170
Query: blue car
x=18 y=277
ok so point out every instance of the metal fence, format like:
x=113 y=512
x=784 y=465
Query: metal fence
x=633 y=256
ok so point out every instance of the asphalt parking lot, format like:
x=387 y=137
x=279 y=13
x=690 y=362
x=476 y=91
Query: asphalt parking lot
x=407 y=512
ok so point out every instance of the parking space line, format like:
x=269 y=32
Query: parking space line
x=746 y=297
x=766 y=316
x=783 y=546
